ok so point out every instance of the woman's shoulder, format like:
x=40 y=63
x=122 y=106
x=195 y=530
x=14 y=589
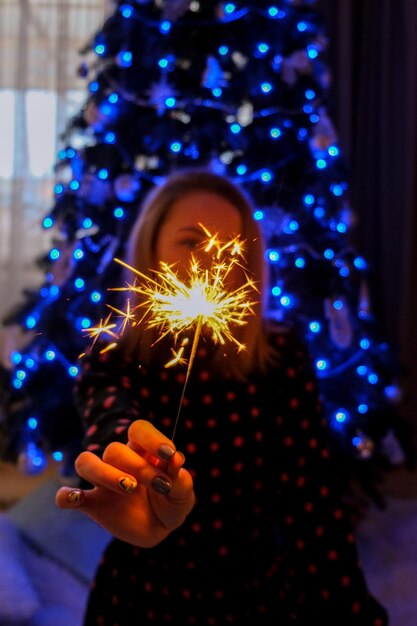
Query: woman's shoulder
x=105 y=355
x=287 y=340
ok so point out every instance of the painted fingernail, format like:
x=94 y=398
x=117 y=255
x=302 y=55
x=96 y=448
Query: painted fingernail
x=160 y=485
x=182 y=456
x=74 y=497
x=127 y=484
x=165 y=452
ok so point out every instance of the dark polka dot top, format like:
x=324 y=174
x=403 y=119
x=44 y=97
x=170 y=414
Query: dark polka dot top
x=268 y=543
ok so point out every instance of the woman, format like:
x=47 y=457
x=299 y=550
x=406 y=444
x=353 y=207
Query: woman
x=264 y=539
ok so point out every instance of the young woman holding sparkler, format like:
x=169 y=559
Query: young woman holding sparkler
x=266 y=539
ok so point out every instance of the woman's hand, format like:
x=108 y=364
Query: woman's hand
x=141 y=491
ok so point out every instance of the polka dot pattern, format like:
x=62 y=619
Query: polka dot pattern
x=268 y=541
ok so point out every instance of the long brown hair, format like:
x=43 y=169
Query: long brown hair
x=141 y=256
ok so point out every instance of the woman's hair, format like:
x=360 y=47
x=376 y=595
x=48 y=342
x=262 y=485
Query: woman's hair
x=141 y=256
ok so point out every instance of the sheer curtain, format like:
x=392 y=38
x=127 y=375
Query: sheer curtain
x=40 y=89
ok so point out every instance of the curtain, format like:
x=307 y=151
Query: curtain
x=373 y=52
x=40 y=88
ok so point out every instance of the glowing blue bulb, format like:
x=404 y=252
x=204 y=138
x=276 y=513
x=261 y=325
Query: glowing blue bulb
x=126 y=10
x=163 y=63
x=328 y=254
x=87 y=222
x=79 y=283
x=93 y=86
x=125 y=58
x=30 y=321
x=103 y=174
x=54 y=254
x=364 y=343
x=273 y=11
x=321 y=164
x=338 y=305
x=16 y=357
x=241 y=169
x=223 y=50
x=78 y=254
x=286 y=302
x=293 y=226
x=114 y=97
x=307 y=108
x=373 y=378
x=170 y=102
x=85 y=322
x=176 y=146
x=32 y=423
x=229 y=8
x=363 y=408
x=273 y=255
x=100 y=49
x=360 y=263
x=57 y=456
x=310 y=94
x=341 y=227
x=344 y=272
x=263 y=48
x=29 y=362
x=333 y=151
x=58 y=189
x=73 y=370
x=308 y=199
x=48 y=222
x=258 y=215
x=341 y=416
x=321 y=364
x=319 y=212
x=361 y=370
x=17 y=384
x=165 y=27
x=217 y=92
x=266 y=87
x=235 y=128
x=266 y=176
x=276 y=291
x=336 y=190
x=312 y=52
x=50 y=355
x=21 y=374
x=70 y=153
x=95 y=296
x=74 y=185
x=118 y=212
x=275 y=133
x=301 y=26
x=315 y=327
x=54 y=291
x=300 y=262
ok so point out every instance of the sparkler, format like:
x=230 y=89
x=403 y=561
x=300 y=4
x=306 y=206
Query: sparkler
x=200 y=303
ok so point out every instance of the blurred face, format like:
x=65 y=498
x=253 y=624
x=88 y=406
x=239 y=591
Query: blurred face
x=180 y=233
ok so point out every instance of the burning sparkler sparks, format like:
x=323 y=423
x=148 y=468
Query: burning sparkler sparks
x=200 y=303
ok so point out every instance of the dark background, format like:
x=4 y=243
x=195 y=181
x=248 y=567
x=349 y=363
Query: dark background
x=373 y=57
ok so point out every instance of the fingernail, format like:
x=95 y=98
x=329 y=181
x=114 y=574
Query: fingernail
x=182 y=456
x=127 y=484
x=160 y=485
x=74 y=497
x=165 y=452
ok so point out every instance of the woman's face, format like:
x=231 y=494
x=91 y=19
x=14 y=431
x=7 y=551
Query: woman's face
x=180 y=233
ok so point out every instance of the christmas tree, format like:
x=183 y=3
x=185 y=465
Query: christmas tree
x=243 y=88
